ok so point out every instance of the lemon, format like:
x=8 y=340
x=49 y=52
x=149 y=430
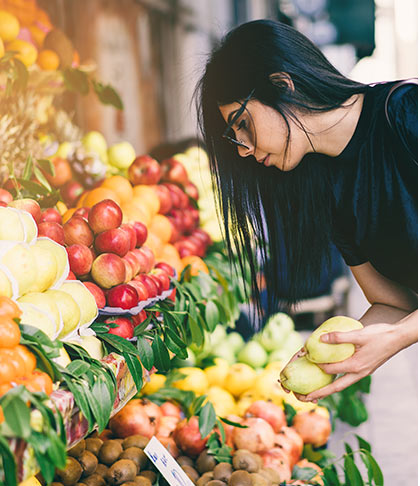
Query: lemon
x=195 y=380
x=217 y=373
x=26 y=52
x=33 y=481
x=240 y=378
x=9 y=26
x=268 y=387
x=223 y=402
x=156 y=383
x=245 y=400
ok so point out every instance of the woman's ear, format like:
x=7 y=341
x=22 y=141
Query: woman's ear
x=282 y=80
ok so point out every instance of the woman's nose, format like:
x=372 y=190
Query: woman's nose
x=245 y=151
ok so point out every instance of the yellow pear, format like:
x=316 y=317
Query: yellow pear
x=156 y=382
x=45 y=303
x=69 y=310
x=11 y=225
x=19 y=260
x=319 y=352
x=303 y=376
x=36 y=317
x=83 y=297
x=223 y=402
x=46 y=268
x=59 y=253
x=240 y=378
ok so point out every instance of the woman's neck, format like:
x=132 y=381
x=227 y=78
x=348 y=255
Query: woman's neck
x=331 y=131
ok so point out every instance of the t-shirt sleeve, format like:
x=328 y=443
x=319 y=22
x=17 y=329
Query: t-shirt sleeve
x=403 y=116
x=352 y=254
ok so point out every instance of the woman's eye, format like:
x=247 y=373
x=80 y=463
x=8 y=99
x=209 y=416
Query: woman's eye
x=242 y=124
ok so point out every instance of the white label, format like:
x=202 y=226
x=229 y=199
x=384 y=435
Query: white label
x=166 y=464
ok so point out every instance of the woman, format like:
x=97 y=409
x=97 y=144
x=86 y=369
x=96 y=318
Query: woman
x=295 y=145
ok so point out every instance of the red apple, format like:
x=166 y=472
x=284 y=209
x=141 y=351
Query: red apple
x=82 y=212
x=77 y=231
x=124 y=296
x=142 y=292
x=165 y=198
x=179 y=198
x=201 y=247
x=157 y=281
x=108 y=270
x=169 y=269
x=51 y=214
x=163 y=277
x=3 y=204
x=144 y=170
x=139 y=318
x=125 y=328
x=145 y=250
x=142 y=259
x=191 y=190
x=129 y=270
x=188 y=222
x=71 y=276
x=177 y=219
x=141 y=233
x=203 y=235
x=97 y=293
x=80 y=259
x=29 y=205
x=174 y=171
x=105 y=215
x=149 y=283
x=5 y=196
x=52 y=230
x=185 y=248
x=114 y=240
x=132 y=234
x=71 y=192
x=132 y=259
x=195 y=214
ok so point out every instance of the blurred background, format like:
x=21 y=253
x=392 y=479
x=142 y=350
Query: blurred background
x=153 y=51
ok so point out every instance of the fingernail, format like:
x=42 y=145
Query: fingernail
x=315 y=401
x=325 y=338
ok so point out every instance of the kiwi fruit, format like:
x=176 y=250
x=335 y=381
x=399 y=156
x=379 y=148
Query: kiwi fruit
x=205 y=462
x=149 y=475
x=101 y=469
x=205 y=478
x=240 y=478
x=135 y=441
x=272 y=474
x=89 y=462
x=109 y=452
x=58 y=484
x=71 y=473
x=77 y=449
x=57 y=41
x=121 y=471
x=223 y=471
x=93 y=445
x=94 y=480
x=215 y=482
x=142 y=481
x=185 y=461
x=191 y=473
x=258 y=480
x=136 y=455
x=245 y=460
x=258 y=458
x=129 y=483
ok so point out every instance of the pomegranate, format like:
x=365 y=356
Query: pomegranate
x=257 y=437
x=167 y=425
x=131 y=420
x=289 y=440
x=169 y=408
x=277 y=459
x=188 y=438
x=169 y=444
x=306 y=463
x=312 y=427
x=152 y=410
x=270 y=412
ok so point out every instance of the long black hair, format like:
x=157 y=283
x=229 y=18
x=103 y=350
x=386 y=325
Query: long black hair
x=285 y=215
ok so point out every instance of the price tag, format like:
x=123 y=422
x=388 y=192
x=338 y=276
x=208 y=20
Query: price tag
x=166 y=464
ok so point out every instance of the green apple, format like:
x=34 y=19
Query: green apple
x=275 y=331
x=320 y=352
x=121 y=155
x=253 y=354
x=218 y=335
x=303 y=376
x=94 y=141
x=64 y=150
x=236 y=341
x=224 y=350
x=282 y=355
x=293 y=343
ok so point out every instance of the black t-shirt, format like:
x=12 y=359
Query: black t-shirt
x=375 y=187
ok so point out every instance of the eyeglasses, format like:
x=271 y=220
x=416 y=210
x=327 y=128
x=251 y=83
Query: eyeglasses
x=234 y=120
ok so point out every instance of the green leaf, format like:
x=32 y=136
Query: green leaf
x=81 y=401
x=136 y=370
x=33 y=187
x=78 y=367
x=290 y=413
x=349 y=450
x=235 y=424
x=47 y=166
x=221 y=430
x=119 y=344
x=27 y=171
x=107 y=95
x=212 y=315
x=206 y=419
x=9 y=464
x=304 y=473
x=197 y=332
x=76 y=80
x=351 y=472
x=145 y=352
x=363 y=444
x=376 y=471
x=161 y=355
x=140 y=328
x=352 y=410
x=193 y=290
x=42 y=179
x=331 y=476
x=197 y=404
x=17 y=416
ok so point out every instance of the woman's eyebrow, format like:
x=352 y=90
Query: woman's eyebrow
x=231 y=116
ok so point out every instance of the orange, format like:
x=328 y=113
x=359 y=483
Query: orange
x=9 y=333
x=162 y=227
x=132 y=212
x=9 y=308
x=48 y=60
x=154 y=243
x=28 y=358
x=36 y=382
x=5 y=387
x=26 y=52
x=38 y=35
x=148 y=196
x=68 y=214
x=121 y=186
x=7 y=371
x=9 y=26
x=99 y=194
x=15 y=360
x=197 y=264
x=170 y=255
x=81 y=200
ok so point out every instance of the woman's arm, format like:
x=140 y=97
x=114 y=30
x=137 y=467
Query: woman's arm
x=391 y=324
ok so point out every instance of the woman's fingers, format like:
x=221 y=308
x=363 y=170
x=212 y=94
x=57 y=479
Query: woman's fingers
x=353 y=337
x=349 y=365
x=336 y=386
